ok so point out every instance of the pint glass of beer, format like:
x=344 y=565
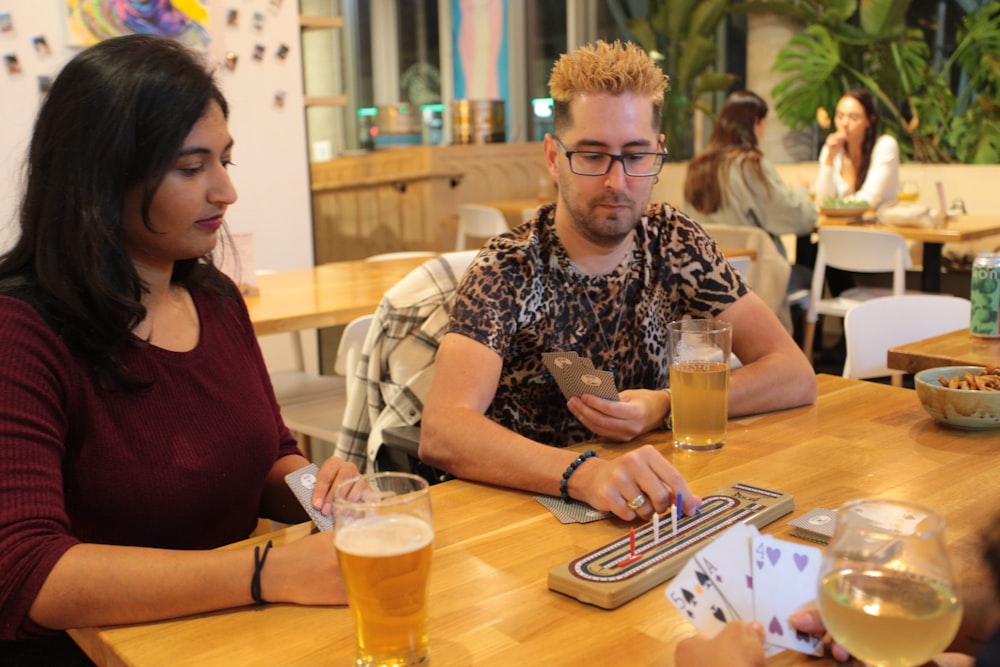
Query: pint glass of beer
x=699 y=382
x=383 y=534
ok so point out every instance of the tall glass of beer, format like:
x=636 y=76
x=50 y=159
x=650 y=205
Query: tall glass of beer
x=699 y=382
x=383 y=534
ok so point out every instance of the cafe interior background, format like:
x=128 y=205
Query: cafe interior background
x=346 y=113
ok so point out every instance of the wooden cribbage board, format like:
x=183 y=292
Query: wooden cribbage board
x=596 y=578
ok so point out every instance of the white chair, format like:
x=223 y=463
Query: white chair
x=859 y=251
x=742 y=265
x=399 y=354
x=313 y=405
x=872 y=327
x=480 y=222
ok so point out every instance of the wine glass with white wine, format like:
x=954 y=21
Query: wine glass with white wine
x=886 y=591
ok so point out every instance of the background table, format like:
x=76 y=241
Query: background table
x=493 y=548
x=323 y=296
x=958 y=348
x=960 y=228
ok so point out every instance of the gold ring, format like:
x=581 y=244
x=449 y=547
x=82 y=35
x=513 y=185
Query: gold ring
x=637 y=502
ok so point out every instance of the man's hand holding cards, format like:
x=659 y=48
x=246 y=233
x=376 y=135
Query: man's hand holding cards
x=576 y=375
x=743 y=575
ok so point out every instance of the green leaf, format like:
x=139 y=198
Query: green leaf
x=698 y=53
x=713 y=82
x=884 y=17
x=707 y=16
x=642 y=33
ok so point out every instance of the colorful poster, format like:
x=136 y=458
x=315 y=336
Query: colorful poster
x=90 y=21
x=479 y=39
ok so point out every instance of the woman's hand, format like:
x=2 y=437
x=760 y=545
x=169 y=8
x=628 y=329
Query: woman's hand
x=835 y=143
x=740 y=644
x=331 y=473
x=305 y=571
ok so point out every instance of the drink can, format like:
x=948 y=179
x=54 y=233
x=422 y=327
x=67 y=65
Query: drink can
x=984 y=294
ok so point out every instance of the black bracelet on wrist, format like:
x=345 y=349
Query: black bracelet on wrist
x=258 y=566
x=668 y=424
x=564 y=484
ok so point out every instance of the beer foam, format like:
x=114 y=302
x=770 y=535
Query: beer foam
x=384 y=536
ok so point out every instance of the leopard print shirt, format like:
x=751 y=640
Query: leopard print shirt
x=522 y=297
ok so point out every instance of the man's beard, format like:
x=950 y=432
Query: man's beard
x=607 y=232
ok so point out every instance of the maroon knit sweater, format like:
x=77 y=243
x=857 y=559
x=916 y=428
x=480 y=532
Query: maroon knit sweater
x=181 y=466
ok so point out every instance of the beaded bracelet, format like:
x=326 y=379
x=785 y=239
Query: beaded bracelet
x=564 y=484
x=258 y=566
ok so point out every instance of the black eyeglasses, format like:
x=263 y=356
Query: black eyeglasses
x=597 y=163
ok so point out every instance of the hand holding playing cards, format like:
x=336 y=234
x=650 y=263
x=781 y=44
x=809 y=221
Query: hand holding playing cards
x=739 y=644
x=809 y=621
x=636 y=412
x=611 y=485
x=332 y=472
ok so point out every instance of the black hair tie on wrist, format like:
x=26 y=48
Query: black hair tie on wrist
x=258 y=566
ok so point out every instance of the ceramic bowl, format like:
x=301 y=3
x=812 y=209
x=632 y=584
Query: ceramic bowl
x=961 y=408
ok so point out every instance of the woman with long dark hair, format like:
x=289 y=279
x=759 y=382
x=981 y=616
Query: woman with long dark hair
x=856 y=162
x=138 y=428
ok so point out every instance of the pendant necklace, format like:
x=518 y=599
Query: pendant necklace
x=611 y=348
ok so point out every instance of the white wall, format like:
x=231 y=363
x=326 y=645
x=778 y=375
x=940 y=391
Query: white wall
x=271 y=171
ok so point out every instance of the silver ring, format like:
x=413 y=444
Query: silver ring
x=637 y=502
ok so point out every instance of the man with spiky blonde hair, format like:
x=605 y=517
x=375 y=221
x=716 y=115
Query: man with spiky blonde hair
x=600 y=272
x=612 y=69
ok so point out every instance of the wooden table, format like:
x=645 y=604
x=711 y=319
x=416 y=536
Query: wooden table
x=489 y=602
x=958 y=348
x=961 y=228
x=323 y=296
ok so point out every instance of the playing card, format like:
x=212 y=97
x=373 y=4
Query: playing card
x=816 y=525
x=726 y=559
x=302 y=482
x=785 y=579
x=573 y=511
x=695 y=595
x=598 y=383
x=576 y=375
x=564 y=367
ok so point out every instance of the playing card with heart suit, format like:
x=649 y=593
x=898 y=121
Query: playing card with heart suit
x=785 y=579
x=727 y=560
x=743 y=575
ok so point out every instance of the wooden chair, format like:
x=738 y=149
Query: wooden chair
x=859 y=251
x=479 y=222
x=872 y=327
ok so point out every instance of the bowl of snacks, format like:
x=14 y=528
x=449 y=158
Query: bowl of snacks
x=844 y=208
x=961 y=396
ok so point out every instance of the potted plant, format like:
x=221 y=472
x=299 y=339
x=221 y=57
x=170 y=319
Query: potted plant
x=868 y=44
x=681 y=36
